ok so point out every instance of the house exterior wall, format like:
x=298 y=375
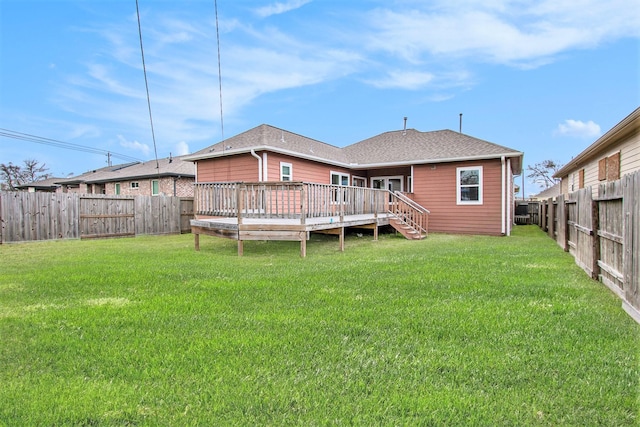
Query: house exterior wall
x=629 y=162
x=243 y=167
x=303 y=170
x=435 y=189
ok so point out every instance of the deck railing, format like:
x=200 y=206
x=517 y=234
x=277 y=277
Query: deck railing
x=410 y=212
x=303 y=200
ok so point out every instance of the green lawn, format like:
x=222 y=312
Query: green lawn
x=451 y=330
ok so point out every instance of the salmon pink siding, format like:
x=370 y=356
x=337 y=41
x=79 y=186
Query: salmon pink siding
x=243 y=167
x=302 y=170
x=435 y=188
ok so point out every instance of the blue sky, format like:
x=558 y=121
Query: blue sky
x=546 y=77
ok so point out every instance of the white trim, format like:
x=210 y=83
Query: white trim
x=152 y=181
x=511 y=197
x=354 y=177
x=459 y=201
x=349 y=165
x=282 y=164
x=411 y=187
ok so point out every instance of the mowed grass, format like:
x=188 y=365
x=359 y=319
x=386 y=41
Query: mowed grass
x=451 y=330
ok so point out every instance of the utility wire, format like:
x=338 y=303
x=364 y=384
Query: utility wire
x=7 y=133
x=219 y=73
x=146 y=84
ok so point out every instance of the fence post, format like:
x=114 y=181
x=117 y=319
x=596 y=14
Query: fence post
x=595 y=239
x=566 y=225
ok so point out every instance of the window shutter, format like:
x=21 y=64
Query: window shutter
x=602 y=169
x=613 y=167
x=581 y=178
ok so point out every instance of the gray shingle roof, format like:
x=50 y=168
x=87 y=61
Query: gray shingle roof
x=175 y=166
x=266 y=136
x=395 y=147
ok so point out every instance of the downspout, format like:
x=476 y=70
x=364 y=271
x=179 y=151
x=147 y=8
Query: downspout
x=510 y=199
x=504 y=220
x=253 y=153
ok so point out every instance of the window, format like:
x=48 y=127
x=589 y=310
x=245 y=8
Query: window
x=286 y=171
x=155 y=187
x=117 y=188
x=469 y=185
x=358 y=181
x=135 y=185
x=338 y=178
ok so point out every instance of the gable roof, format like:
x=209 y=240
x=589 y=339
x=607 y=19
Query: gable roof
x=616 y=135
x=395 y=148
x=169 y=166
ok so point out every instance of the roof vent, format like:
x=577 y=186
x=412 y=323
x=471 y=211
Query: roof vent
x=404 y=131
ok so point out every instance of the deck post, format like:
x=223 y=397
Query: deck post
x=303 y=247
x=375 y=228
x=341 y=239
x=196 y=240
x=239 y=207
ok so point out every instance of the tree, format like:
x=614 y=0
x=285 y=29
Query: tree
x=542 y=173
x=15 y=175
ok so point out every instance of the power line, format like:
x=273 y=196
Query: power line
x=146 y=84
x=219 y=72
x=7 y=133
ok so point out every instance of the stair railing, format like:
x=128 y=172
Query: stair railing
x=409 y=212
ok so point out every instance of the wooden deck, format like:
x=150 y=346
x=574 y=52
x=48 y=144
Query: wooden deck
x=284 y=228
x=293 y=210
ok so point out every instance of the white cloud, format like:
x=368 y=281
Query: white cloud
x=280 y=7
x=523 y=33
x=409 y=80
x=578 y=129
x=134 y=145
x=182 y=148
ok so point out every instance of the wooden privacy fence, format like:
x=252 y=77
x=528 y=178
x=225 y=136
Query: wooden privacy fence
x=602 y=234
x=43 y=216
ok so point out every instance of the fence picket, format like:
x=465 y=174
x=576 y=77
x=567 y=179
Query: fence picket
x=42 y=216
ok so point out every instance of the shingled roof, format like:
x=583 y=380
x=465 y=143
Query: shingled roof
x=275 y=139
x=403 y=147
x=169 y=166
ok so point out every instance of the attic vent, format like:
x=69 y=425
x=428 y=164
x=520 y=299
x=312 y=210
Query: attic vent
x=404 y=131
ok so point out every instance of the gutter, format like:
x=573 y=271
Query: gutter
x=349 y=165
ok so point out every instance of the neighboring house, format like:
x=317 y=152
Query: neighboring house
x=548 y=193
x=44 y=185
x=170 y=176
x=613 y=155
x=466 y=183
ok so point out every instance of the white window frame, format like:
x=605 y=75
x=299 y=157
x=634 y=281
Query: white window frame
x=282 y=174
x=340 y=175
x=152 y=193
x=459 y=187
x=355 y=178
x=134 y=185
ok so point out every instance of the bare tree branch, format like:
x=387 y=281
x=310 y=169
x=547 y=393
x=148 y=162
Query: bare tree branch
x=542 y=173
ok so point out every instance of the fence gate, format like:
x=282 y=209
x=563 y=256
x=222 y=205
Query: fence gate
x=104 y=216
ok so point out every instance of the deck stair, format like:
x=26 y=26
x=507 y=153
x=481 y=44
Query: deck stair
x=405 y=229
x=408 y=217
